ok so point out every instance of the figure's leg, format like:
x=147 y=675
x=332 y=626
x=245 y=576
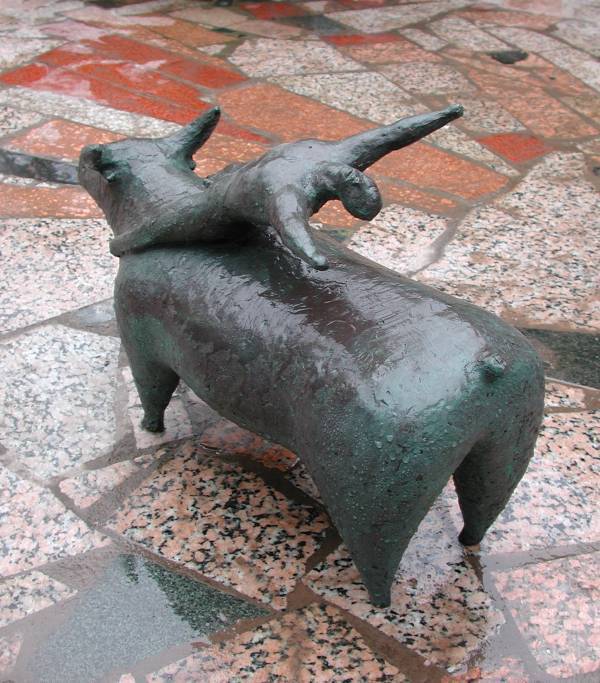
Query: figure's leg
x=155 y=384
x=487 y=477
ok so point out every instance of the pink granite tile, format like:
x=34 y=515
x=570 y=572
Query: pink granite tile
x=439 y=607
x=559 y=395
x=399 y=238
x=269 y=57
x=425 y=78
x=57 y=398
x=555 y=605
x=312 y=644
x=36 y=528
x=23 y=595
x=226 y=437
x=558 y=499
x=223 y=522
x=90 y=487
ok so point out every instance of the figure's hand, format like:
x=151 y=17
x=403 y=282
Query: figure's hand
x=289 y=205
x=284 y=187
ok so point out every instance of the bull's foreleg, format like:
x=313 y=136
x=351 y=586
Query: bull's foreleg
x=155 y=384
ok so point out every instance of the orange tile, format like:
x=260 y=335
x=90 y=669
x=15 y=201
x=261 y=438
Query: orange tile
x=430 y=168
x=393 y=193
x=516 y=147
x=61 y=139
x=273 y=10
x=44 y=202
x=230 y=149
x=390 y=52
x=190 y=34
x=286 y=115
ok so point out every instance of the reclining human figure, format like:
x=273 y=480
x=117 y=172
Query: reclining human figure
x=167 y=204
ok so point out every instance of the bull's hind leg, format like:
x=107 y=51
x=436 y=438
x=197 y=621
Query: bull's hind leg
x=155 y=384
x=489 y=474
x=378 y=516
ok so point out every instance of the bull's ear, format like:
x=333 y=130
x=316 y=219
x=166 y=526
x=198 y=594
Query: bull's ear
x=92 y=155
x=185 y=142
x=97 y=157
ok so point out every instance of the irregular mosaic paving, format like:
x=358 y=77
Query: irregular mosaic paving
x=223 y=522
x=26 y=594
x=439 y=607
x=557 y=500
x=313 y=644
x=555 y=605
x=36 y=528
x=58 y=397
x=53 y=266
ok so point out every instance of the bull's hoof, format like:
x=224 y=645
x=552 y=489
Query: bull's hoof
x=153 y=424
x=466 y=538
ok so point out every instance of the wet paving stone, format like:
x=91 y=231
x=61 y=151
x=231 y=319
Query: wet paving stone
x=570 y=356
x=312 y=644
x=135 y=609
x=439 y=606
x=224 y=522
x=498 y=208
x=57 y=397
x=36 y=528
x=29 y=593
x=555 y=605
x=53 y=265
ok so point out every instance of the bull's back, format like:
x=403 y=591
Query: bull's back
x=277 y=347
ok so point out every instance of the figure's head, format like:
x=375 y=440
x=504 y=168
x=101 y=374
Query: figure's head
x=143 y=170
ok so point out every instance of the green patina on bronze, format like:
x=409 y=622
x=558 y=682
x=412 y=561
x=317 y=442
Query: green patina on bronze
x=385 y=388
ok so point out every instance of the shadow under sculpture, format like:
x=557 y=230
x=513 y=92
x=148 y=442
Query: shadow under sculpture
x=384 y=387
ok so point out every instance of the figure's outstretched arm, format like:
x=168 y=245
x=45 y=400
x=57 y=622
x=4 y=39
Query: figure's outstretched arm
x=364 y=149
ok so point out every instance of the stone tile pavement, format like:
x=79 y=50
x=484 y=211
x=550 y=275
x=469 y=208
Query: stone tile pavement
x=204 y=554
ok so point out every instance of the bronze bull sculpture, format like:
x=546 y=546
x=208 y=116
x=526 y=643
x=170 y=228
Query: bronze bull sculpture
x=385 y=388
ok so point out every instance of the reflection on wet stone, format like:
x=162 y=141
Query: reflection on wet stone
x=570 y=356
x=135 y=610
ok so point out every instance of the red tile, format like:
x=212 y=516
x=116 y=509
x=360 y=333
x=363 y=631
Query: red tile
x=516 y=147
x=288 y=116
x=145 y=81
x=44 y=202
x=427 y=167
x=395 y=193
x=242 y=133
x=272 y=10
x=60 y=139
x=119 y=47
x=71 y=55
x=24 y=75
x=361 y=38
x=82 y=85
x=202 y=74
x=230 y=149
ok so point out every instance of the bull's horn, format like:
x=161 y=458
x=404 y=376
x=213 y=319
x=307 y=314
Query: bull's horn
x=365 y=149
x=191 y=137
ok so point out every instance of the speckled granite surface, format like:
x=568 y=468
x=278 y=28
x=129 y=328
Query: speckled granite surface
x=204 y=554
